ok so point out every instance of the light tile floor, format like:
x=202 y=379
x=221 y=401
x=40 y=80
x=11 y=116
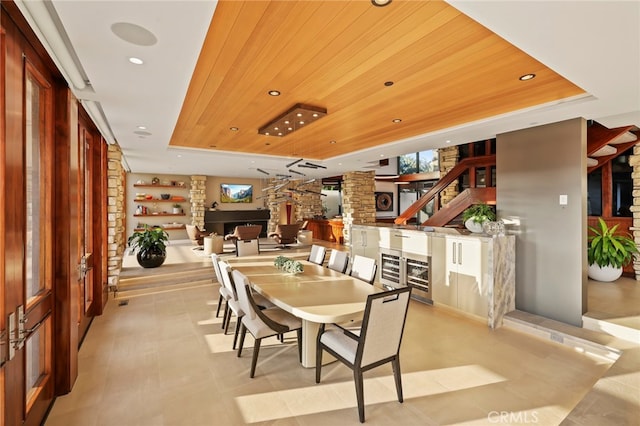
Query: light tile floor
x=162 y=359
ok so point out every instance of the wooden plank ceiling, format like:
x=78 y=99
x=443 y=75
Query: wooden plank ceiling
x=446 y=68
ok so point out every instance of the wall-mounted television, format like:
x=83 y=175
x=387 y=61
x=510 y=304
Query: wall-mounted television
x=236 y=193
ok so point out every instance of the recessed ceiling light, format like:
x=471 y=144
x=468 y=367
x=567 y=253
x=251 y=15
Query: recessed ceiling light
x=380 y=3
x=233 y=129
x=388 y=83
x=527 y=77
x=396 y=120
x=179 y=155
x=447 y=141
x=381 y=155
x=274 y=93
x=136 y=61
x=332 y=142
x=142 y=127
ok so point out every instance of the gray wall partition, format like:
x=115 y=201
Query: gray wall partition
x=536 y=168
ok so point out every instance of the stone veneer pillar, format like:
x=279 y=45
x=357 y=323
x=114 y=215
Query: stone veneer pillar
x=305 y=205
x=115 y=215
x=634 y=161
x=197 y=196
x=358 y=201
x=448 y=158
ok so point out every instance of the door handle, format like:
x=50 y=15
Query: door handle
x=453 y=250
x=459 y=253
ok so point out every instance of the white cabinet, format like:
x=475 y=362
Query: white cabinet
x=458 y=274
x=365 y=242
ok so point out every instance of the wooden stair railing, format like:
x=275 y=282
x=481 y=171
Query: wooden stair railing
x=463 y=200
x=442 y=184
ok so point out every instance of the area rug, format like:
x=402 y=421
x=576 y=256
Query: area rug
x=229 y=249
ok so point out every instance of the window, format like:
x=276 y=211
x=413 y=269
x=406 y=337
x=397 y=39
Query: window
x=419 y=162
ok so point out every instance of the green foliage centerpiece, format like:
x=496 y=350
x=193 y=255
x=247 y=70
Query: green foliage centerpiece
x=288 y=265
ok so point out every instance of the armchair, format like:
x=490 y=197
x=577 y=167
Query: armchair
x=196 y=235
x=285 y=234
x=244 y=233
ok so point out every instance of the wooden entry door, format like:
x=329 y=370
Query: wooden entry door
x=26 y=274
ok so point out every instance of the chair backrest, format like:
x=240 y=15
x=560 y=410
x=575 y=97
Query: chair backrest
x=192 y=232
x=317 y=254
x=247 y=232
x=241 y=283
x=225 y=271
x=288 y=232
x=338 y=260
x=382 y=325
x=216 y=267
x=363 y=268
x=247 y=247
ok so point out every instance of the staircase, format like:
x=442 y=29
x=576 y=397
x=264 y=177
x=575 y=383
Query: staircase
x=604 y=144
x=171 y=279
x=464 y=200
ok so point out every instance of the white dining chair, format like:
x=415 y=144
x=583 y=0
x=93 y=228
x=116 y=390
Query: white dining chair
x=262 y=323
x=233 y=305
x=224 y=293
x=338 y=260
x=317 y=254
x=363 y=268
x=377 y=343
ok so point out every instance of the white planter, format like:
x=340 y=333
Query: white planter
x=605 y=274
x=177 y=210
x=473 y=226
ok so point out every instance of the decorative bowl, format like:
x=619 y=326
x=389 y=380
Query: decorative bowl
x=165 y=196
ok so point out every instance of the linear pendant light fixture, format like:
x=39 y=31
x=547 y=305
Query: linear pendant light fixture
x=297 y=117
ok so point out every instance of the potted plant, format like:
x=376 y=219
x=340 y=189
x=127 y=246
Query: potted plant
x=609 y=252
x=177 y=208
x=476 y=215
x=151 y=246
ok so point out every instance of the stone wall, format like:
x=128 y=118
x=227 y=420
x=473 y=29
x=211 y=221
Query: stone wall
x=197 y=196
x=358 y=200
x=448 y=158
x=115 y=215
x=634 y=161
x=303 y=204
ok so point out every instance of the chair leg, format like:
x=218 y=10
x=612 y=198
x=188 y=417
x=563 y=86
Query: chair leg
x=226 y=326
x=243 y=332
x=219 y=304
x=357 y=377
x=254 y=360
x=318 y=362
x=398 y=377
x=235 y=335
x=224 y=316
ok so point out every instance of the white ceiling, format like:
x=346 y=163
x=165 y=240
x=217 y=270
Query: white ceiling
x=594 y=44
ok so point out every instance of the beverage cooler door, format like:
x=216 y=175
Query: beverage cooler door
x=418 y=276
x=391 y=269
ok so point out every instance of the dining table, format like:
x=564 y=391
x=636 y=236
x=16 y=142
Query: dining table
x=316 y=295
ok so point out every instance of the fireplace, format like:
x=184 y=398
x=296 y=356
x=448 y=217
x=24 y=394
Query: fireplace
x=223 y=222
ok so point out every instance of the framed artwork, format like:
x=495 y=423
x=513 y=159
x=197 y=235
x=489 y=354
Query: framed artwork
x=236 y=193
x=384 y=201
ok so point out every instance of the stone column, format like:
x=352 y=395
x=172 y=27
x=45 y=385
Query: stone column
x=448 y=158
x=198 y=195
x=115 y=215
x=358 y=201
x=634 y=161
x=304 y=204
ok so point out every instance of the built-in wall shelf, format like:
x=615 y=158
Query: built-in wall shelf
x=166 y=228
x=139 y=185
x=159 y=214
x=159 y=200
